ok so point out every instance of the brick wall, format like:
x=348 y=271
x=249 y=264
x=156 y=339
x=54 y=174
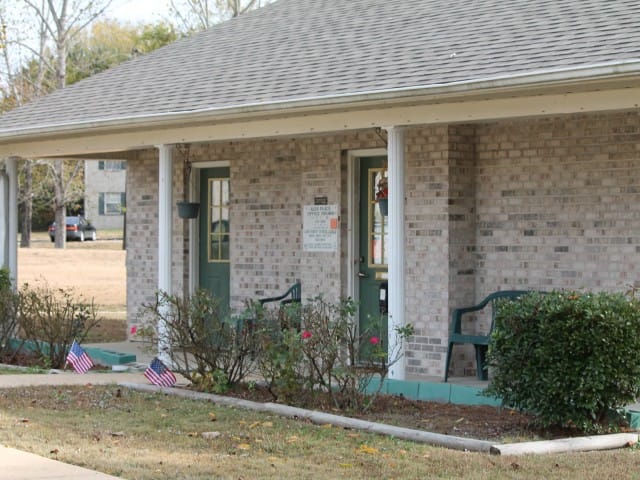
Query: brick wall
x=559 y=203
x=558 y=206
x=540 y=204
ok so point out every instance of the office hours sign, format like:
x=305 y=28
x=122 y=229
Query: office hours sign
x=320 y=228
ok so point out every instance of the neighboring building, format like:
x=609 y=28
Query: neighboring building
x=105 y=196
x=508 y=133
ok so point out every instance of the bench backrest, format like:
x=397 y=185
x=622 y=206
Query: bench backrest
x=456 y=315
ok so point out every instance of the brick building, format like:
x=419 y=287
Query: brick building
x=511 y=151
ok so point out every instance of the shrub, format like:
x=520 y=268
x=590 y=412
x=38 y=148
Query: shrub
x=50 y=319
x=279 y=355
x=328 y=353
x=572 y=359
x=208 y=347
x=8 y=306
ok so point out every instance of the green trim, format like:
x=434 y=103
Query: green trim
x=109 y=357
x=98 y=355
x=435 y=392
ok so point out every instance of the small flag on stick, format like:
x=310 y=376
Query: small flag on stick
x=78 y=358
x=159 y=374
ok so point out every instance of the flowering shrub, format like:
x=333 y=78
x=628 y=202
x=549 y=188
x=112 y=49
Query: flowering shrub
x=327 y=355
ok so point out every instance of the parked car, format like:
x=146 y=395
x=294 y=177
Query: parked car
x=78 y=228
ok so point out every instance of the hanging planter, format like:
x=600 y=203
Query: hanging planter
x=383 y=205
x=188 y=209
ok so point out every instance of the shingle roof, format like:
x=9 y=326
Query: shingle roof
x=307 y=49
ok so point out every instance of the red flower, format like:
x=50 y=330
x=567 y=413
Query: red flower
x=306 y=334
x=134 y=330
x=374 y=340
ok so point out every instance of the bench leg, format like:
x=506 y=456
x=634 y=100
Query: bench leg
x=446 y=365
x=481 y=353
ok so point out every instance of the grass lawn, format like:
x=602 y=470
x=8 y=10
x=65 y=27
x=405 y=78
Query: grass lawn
x=149 y=436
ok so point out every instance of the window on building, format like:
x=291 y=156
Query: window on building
x=112 y=165
x=111 y=203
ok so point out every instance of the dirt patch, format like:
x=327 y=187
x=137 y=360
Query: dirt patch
x=480 y=422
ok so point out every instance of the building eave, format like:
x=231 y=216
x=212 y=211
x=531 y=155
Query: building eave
x=596 y=78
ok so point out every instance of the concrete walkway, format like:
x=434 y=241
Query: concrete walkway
x=17 y=465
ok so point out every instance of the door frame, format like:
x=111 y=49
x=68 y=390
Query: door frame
x=353 y=199
x=194 y=226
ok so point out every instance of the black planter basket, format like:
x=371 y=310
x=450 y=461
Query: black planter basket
x=383 y=204
x=188 y=209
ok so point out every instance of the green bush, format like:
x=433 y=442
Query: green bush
x=572 y=359
x=8 y=306
x=5 y=279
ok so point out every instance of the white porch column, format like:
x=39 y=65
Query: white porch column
x=10 y=240
x=165 y=234
x=4 y=218
x=395 y=154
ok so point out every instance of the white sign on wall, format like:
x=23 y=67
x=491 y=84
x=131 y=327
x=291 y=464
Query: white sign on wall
x=320 y=228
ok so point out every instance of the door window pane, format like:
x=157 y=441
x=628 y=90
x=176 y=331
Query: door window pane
x=378 y=219
x=218 y=215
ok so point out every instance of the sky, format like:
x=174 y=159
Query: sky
x=135 y=11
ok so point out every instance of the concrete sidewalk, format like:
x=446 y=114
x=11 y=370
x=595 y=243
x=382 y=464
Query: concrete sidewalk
x=17 y=465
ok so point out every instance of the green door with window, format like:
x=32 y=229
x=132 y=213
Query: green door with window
x=373 y=250
x=215 y=238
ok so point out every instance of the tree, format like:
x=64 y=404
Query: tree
x=29 y=68
x=21 y=85
x=63 y=20
x=198 y=15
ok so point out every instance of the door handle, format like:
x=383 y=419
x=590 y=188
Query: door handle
x=362 y=275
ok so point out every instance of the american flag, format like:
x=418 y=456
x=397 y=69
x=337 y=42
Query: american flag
x=159 y=374
x=79 y=359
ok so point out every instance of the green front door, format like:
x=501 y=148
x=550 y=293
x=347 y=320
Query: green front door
x=215 y=236
x=373 y=250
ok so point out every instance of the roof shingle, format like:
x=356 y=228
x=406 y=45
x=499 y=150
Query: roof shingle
x=305 y=49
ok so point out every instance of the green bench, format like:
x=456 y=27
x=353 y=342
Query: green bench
x=292 y=295
x=480 y=342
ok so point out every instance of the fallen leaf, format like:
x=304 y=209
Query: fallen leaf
x=254 y=425
x=212 y=416
x=267 y=424
x=292 y=439
x=326 y=425
x=243 y=446
x=459 y=420
x=346 y=465
x=368 y=450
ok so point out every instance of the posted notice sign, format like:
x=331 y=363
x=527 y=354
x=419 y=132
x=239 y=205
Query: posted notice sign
x=320 y=228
